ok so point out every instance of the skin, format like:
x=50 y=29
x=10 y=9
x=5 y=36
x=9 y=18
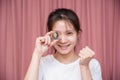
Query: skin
x=67 y=40
x=64 y=47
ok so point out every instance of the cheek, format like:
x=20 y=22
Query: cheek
x=73 y=40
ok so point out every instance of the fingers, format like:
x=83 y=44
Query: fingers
x=49 y=33
x=53 y=42
x=86 y=53
x=43 y=43
x=92 y=53
x=40 y=40
x=46 y=40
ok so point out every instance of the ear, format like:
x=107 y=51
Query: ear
x=79 y=34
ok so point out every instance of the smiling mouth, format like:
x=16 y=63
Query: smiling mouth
x=63 y=47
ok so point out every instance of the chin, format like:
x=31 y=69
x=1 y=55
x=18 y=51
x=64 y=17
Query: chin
x=64 y=51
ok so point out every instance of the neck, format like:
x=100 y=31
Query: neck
x=66 y=58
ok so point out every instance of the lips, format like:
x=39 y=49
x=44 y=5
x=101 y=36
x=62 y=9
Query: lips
x=64 y=47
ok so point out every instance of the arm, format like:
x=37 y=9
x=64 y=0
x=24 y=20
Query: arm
x=41 y=46
x=91 y=72
x=85 y=73
x=86 y=55
x=33 y=70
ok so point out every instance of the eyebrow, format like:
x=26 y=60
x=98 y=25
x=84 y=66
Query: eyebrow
x=65 y=31
x=69 y=30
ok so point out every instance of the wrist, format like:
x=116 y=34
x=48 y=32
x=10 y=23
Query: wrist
x=37 y=54
x=85 y=72
x=84 y=66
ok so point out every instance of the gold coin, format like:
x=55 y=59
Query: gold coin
x=55 y=35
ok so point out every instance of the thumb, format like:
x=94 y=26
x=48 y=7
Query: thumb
x=53 y=42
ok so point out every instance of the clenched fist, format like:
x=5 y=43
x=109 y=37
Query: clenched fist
x=86 y=54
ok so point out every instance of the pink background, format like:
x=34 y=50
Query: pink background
x=21 y=21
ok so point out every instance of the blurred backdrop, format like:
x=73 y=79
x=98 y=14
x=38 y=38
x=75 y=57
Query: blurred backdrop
x=21 y=21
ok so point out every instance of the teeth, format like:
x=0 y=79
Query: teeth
x=64 y=47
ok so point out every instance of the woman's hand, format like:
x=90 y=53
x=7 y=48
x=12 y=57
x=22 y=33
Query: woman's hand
x=86 y=54
x=44 y=43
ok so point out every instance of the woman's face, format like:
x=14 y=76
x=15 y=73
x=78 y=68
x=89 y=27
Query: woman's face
x=67 y=37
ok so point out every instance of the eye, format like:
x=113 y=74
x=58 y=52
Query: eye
x=69 y=33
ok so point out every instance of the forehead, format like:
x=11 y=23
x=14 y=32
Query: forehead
x=63 y=25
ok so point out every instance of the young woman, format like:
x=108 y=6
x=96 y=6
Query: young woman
x=64 y=64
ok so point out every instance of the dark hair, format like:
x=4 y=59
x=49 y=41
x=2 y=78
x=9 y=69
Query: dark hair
x=63 y=14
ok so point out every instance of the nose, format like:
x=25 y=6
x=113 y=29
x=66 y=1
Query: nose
x=62 y=38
